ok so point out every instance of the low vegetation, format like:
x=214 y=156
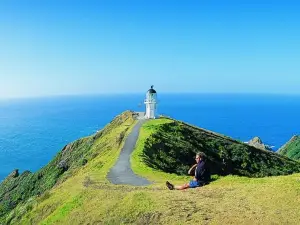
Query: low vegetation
x=292 y=148
x=81 y=193
x=170 y=146
x=73 y=157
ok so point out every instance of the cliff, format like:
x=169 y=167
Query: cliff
x=257 y=143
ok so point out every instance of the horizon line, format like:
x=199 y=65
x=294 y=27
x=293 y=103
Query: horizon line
x=142 y=93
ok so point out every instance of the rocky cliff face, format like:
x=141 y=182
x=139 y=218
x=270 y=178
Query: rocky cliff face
x=257 y=143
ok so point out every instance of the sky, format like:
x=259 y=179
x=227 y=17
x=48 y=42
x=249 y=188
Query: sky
x=66 y=47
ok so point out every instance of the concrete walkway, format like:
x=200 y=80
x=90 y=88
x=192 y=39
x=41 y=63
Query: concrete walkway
x=121 y=172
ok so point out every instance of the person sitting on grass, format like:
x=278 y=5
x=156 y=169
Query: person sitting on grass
x=202 y=174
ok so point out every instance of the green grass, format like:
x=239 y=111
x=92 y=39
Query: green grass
x=229 y=200
x=170 y=146
x=86 y=197
x=63 y=210
x=100 y=150
x=292 y=148
x=137 y=159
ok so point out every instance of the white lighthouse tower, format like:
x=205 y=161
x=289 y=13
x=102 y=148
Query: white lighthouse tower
x=151 y=102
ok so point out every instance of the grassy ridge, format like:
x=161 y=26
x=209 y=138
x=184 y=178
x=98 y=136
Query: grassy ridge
x=170 y=146
x=86 y=197
x=292 y=148
x=67 y=163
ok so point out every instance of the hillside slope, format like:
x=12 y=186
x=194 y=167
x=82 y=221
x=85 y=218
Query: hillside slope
x=81 y=193
x=170 y=146
x=292 y=148
x=17 y=189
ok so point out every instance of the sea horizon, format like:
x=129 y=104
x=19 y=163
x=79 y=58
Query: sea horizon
x=34 y=130
x=8 y=98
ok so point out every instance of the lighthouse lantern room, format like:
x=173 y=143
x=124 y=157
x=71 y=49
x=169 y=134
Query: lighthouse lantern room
x=151 y=103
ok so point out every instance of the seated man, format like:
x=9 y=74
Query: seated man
x=202 y=174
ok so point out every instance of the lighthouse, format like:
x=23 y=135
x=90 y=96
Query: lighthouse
x=151 y=102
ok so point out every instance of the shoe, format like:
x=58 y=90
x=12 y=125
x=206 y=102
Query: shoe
x=169 y=185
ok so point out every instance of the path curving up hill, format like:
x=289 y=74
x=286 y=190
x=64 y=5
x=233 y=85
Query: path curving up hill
x=121 y=172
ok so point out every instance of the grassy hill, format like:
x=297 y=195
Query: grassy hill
x=73 y=189
x=171 y=145
x=292 y=148
x=79 y=155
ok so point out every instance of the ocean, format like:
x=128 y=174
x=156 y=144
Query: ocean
x=33 y=130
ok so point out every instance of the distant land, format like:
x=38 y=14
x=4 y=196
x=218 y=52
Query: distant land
x=73 y=186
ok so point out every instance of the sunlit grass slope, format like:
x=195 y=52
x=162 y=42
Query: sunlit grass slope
x=94 y=154
x=229 y=200
x=86 y=197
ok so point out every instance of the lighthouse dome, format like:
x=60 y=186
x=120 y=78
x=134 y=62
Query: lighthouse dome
x=151 y=90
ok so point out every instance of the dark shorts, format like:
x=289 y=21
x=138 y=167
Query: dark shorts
x=194 y=184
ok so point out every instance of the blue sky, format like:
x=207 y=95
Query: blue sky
x=60 y=47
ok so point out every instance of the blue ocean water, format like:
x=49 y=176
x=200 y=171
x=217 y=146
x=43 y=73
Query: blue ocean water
x=33 y=130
